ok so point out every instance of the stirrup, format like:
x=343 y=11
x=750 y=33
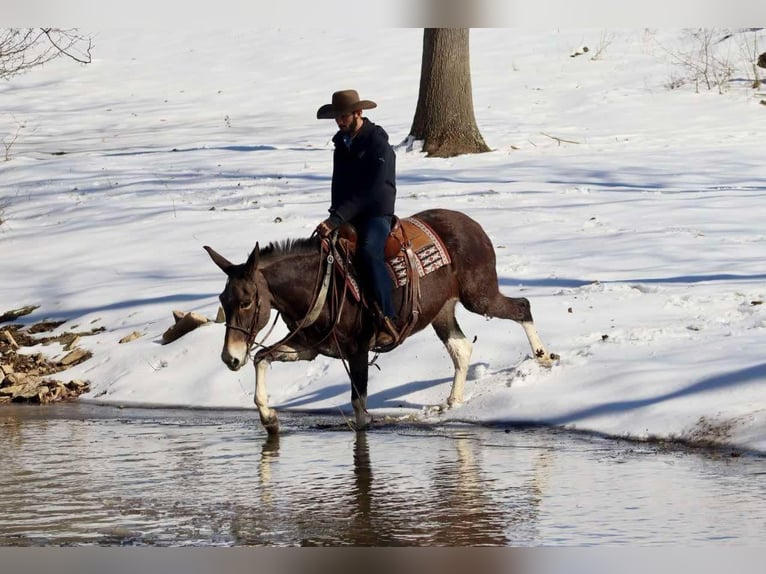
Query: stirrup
x=387 y=336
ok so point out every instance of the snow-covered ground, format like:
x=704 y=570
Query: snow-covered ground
x=631 y=215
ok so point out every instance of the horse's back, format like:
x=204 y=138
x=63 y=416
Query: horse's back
x=447 y=217
x=462 y=234
x=470 y=249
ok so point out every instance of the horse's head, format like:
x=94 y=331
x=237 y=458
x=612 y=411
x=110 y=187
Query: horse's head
x=246 y=304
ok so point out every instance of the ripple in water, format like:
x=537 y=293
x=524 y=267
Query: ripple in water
x=86 y=475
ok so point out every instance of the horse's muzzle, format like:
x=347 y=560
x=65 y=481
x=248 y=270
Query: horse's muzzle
x=234 y=352
x=233 y=362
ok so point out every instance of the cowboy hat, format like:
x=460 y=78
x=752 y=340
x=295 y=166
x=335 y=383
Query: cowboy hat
x=344 y=102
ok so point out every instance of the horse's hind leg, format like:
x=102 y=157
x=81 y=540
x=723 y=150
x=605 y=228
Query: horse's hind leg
x=495 y=304
x=543 y=357
x=459 y=348
x=262 y=360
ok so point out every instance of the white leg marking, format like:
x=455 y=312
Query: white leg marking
x=284 y=354
x=459 y=349
x=261 y=396
x=538 y=349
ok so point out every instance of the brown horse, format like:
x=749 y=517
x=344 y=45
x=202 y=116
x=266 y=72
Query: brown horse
x=285 y=277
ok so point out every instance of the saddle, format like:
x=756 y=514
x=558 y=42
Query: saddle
x=412 y=251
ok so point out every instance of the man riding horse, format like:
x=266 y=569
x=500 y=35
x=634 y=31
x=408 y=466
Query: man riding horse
x=448 y=259
x=364 y=194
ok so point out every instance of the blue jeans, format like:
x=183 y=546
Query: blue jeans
x=370 y=252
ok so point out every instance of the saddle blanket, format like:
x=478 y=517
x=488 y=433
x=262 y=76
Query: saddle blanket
x=430 y=252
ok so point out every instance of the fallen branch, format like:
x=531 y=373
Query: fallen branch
x=185 y=323
x=25 y=377
x=559 y=140
x=16 y=313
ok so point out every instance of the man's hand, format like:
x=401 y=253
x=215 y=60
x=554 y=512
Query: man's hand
x=325 y=228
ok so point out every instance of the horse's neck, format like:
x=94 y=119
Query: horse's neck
x=291 y=280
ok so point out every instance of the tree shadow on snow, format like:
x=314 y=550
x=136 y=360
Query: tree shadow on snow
x=576 y=283
x=748 y=375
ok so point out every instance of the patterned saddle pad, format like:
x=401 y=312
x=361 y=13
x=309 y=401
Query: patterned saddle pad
x=430 y=252
x=428 y=248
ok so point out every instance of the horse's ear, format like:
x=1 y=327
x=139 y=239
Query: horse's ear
x=219 y=260
x=252 y=261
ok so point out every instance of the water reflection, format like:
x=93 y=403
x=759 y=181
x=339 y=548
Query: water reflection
x=452 y=504
x=93 y=476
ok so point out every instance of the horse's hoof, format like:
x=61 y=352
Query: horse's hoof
x=547 y=360
x=436 y=410
x=271 y=426
x=360 y=424
x=433 y=410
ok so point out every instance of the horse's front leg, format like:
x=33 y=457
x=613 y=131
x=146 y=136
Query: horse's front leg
x=268 y=416
x=262 y=360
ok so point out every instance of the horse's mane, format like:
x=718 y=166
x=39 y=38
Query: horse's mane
x=294 y=246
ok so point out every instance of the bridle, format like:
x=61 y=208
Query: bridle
x=327 y=252
x=330 y=254
x=250 y=331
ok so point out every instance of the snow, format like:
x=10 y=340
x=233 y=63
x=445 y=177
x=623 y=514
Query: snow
x=640 y=246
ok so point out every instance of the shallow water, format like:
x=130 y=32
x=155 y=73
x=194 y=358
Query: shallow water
x=80 y=474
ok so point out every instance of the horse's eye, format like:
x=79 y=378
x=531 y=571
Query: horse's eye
x=245 y=304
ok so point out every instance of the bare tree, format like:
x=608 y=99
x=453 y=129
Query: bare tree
x=22 y=49
x=444 y=118
x=3 y=205
x=606 y=39
x=749 y=49
x=703 y=62
x=10 y=140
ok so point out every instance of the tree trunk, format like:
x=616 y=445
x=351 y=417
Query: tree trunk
x=444 y=118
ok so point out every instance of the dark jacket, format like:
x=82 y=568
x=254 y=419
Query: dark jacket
x=364 y=176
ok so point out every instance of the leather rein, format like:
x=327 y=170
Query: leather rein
x=328 y=254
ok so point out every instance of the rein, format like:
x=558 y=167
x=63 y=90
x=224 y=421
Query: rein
x=329 y=254
x=319 y=297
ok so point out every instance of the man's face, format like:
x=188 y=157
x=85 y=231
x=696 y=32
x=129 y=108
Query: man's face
x=348 y=123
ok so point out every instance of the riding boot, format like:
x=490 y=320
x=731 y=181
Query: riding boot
x=387 y=336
